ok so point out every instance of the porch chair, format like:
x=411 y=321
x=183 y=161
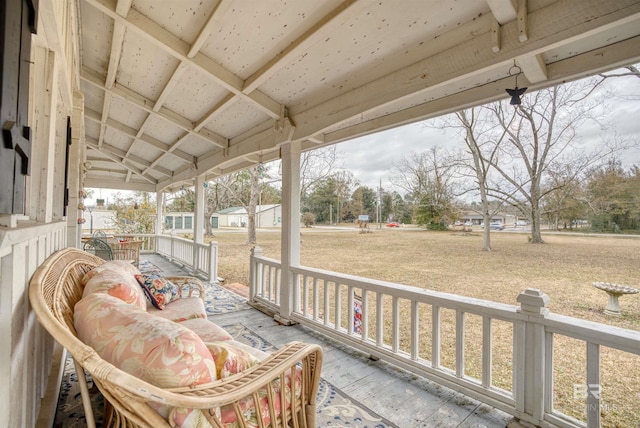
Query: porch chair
x=98 y=247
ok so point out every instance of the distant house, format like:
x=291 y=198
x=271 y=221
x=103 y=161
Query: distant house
x=98 y=218
x=476 y=219
x=266 y=216
x=179 y=222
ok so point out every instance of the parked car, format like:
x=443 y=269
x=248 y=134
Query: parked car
x=522 y=223
x=393 y=224
x=494 y=225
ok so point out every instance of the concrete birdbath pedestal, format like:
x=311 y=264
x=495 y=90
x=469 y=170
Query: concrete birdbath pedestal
x=614 y=291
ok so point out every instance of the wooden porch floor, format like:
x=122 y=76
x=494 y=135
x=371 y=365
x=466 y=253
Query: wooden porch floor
x=402 y=398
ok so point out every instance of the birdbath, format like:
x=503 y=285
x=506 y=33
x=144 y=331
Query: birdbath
x=614 y=291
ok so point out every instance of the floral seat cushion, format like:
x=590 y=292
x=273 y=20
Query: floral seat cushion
x=182 y=309
x=206 y=330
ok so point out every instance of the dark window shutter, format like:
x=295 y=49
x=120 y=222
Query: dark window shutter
x=17 y=21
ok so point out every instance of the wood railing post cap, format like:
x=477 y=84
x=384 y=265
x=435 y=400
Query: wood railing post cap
x=533 y=301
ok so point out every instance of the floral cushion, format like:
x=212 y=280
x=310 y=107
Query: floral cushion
x=153 y=349
x=162 y=290
x=117 y=265
x=229 y=358
x=192 y=418
x=248 y=408
x=185 y=308
x=206 y=330
x=116 y=282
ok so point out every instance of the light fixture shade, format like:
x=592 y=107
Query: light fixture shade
x=515 y=95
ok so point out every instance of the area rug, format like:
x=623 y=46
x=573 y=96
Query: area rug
x=219 y=300
x=145 y=266
x=335 y=409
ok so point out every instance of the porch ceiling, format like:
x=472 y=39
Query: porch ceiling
x=176 y=89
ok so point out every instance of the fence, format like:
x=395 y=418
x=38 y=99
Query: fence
x=463 y=343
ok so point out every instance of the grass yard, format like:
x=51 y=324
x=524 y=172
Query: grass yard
x=453 y=262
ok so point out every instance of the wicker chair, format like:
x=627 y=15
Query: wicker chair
x=54 y=290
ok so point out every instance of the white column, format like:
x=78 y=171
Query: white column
x=76 y=180
x=44 y=82
x=290 y=235
x=198 y=217
x=159 y=205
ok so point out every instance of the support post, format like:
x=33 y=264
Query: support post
x=530 y=376
x=290 y=237
x=253 y=273
x=213 y=261
x=159 y=205
x=198 y=217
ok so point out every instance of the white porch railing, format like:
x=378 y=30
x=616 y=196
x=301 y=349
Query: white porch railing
x=199 y=258
x=26 y=349
x=328 y=302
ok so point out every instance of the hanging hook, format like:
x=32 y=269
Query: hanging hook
x=515 y=93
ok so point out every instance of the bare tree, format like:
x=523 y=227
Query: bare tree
x=316 y=165
x=428 y=177
x=482 y=140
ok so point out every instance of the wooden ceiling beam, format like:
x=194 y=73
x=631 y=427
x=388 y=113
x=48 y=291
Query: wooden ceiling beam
x=131 y=132
x=179 y=49
x=299 y=46
x=215 y=19
x=533 y=67
x=148 y=105
x=91 y=142
x=464 y=60
x=503 y=10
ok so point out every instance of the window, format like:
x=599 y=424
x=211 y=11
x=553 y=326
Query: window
x=178 y=222
x=188 y=222
x=168 y=222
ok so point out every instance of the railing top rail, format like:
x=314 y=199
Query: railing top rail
x=593 y=332
x=430 y=297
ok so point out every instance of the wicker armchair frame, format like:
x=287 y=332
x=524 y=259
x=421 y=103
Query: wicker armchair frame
x=54 y=290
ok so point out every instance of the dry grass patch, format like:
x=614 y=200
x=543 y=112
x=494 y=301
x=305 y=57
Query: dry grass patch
x=564 y=268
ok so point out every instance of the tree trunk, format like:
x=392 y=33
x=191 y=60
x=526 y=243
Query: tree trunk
x=486 y=233
x=251 y=209
x=536 y=235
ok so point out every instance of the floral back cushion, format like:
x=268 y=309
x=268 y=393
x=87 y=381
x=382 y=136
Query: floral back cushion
x=153 y=349
x=158 y=289
x=117 y=283
x=115 y=265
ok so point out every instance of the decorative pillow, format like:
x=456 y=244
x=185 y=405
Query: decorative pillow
x=162 y=290
x=117 y=283
x=117 y=265
x=153 y=349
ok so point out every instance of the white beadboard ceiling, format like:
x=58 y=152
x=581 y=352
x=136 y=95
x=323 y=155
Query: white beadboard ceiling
x=175 y=89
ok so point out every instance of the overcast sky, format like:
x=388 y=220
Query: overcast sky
x=370 y=158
